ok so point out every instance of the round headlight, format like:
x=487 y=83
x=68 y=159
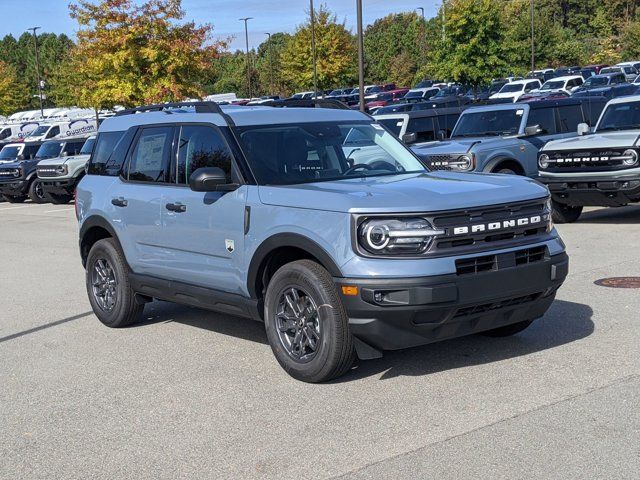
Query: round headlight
x=464 y=162
x=377 y=236
x=543 y=160
x=630 y=157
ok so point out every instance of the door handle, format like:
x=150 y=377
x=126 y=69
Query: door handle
x=119 y=202
x=176 y=207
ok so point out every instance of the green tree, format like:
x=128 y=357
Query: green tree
x=13 y=94
x=335 y=53
x=269 y=64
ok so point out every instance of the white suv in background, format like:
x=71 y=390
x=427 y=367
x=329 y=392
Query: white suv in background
x=563 y=84
x=514 y=90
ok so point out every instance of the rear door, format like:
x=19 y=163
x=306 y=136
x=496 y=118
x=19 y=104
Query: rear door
x=203 y=233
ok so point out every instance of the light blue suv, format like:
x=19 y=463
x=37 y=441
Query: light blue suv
x=318 y=222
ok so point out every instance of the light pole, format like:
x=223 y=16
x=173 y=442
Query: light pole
x=444 y=21
x=424 y=35
x=313 y=50
x=270 y=53
x=421 y=11
x=533 y=48
x=35 y=39
x=360 y=55
x=246 y=38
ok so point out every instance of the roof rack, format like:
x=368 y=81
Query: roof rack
x=307 y=103
x=200 y=107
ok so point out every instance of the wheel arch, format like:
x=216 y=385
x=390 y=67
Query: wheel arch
x=283 y=248
x=504 y=161
x=95 y=228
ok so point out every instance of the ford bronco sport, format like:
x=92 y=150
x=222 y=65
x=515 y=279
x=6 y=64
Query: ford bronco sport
x=598 y=169
x=260 y=212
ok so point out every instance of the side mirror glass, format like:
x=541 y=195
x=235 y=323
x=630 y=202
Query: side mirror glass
x=583 y=129
x=532 y=130
x=410 y=138
x=210 y=179
x=442 y=135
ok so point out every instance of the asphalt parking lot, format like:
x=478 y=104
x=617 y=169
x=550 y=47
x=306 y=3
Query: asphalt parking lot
x=194 y=394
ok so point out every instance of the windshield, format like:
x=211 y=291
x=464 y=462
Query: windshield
x=320 y=152
x=553 y=85
x=610 y=70
x=394 y=125
x=41 y=130
x=489 y=123
x=414 y=94
x=9 y=153
x=49 y=150
x=621 y=116
x=596 y=81
x=512 y=87
x=87 y=148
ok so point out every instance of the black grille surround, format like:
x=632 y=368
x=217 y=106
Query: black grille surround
x=486 y=229
x=594 y=160
x=441 y=162
x=48 y=171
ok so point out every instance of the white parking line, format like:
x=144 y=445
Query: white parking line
x=57 y=210
x=14 y=208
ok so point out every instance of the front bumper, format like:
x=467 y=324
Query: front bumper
x=597 y=191
x=16 y=187
x=59 y=187
x=390 y=314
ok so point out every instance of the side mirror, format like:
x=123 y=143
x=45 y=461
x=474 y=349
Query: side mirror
x=441 y=135
x=532 y=130
x=64 y=154
x=583 y=129
x=409 y=138
x=210 y=179
x=20 y=157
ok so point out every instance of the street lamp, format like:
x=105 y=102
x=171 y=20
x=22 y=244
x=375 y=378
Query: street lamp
x=246 y=38
x=533 y=48
x=360 y=55
x=313 y=51
x=270 y=62
x=421 y=11
x=40 y=82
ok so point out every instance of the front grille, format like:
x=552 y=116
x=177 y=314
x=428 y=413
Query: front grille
x=440 y=162
x=587 y=161
x=47 y=171
x=488 y=307
x=487 y=227
x=12 y=173
x=487 y=263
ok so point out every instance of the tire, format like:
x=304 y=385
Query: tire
x=59 y=199
x=123 y=310
x=506 y=171
x=328 y=328
x=36 y=192
x=561 y=213
x=508 y=330
x=12 y=199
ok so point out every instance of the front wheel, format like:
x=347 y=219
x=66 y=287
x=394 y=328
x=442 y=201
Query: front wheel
x=110 y=293
x=36 y=192
x=306 y=323
x=562 y=213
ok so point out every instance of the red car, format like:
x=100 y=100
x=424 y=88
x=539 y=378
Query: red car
x=385 y=98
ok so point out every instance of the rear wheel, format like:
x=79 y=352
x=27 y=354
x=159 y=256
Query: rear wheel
x=57 y=199
x=13 y=199
x=508 y=330
x=562 y=213
x=306 y=323
x=36 y=192
x=110 y=293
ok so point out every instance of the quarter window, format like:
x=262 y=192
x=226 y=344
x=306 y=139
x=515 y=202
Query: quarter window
x=199 y=147
x=150 y=156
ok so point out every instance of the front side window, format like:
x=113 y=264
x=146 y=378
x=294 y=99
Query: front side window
x=150 y=156
x=6 y=133
x=423 y=128
x=198 y=147
x=621 y=116
x=543 y=117
x=317 y=152
x=488 y=123
x=73 y=148
x=570 y=117
x=394 y=125
x=105 y=145
x=53 y=132
x=87 y=148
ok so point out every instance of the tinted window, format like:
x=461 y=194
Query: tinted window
x=423 y=128
x=621 y=116
x=150 y=156
x=394 y=125
x=53 y=132
x=49 y=150
x=5 y=133
x=30 y=151
x=201 y=146
x=87 y=148
x=490 y=122
x=9 y=153
x=99 y=163
x=73 y=148
x=545 y=117
x=447 y=122
x=570 y=117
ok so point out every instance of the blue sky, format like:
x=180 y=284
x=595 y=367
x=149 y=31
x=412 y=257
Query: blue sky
x=269 y=15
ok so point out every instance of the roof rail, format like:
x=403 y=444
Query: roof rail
x=307 y=103
x=200 y=107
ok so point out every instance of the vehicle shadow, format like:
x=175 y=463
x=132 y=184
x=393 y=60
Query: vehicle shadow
x=565 y=322
x=618 y=215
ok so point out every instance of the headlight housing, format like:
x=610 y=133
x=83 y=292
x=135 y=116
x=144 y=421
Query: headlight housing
x=463 y=162
x=543 y=161
x=630 y=157
x=61 y=170
x=396 y=236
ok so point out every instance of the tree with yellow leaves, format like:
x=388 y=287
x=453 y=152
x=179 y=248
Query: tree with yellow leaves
x=13 y=94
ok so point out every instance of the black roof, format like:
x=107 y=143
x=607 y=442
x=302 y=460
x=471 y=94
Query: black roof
x=431 y=112
x=556 y=103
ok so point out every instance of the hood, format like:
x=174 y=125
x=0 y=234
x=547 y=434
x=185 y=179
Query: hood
x=427 y=192
x=63 y=160
x=595 y=141
x=457 y=145
x=506 y=95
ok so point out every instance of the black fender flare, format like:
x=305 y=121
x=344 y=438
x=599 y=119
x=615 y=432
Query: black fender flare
x=92 y=222
x=491 y=164
x=287 y=240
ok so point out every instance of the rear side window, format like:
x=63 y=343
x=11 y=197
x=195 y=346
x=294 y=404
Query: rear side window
x=570 y=116
x=150 y=157
x=200 y=146
x=544 y=117
x=101 y=162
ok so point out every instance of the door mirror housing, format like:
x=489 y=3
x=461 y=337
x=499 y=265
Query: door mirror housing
x=532 y=130
x=410 y=138
x=583 y=129
x=64 y=154
x=20 y=157
x=442 y=135
x=210 y=179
